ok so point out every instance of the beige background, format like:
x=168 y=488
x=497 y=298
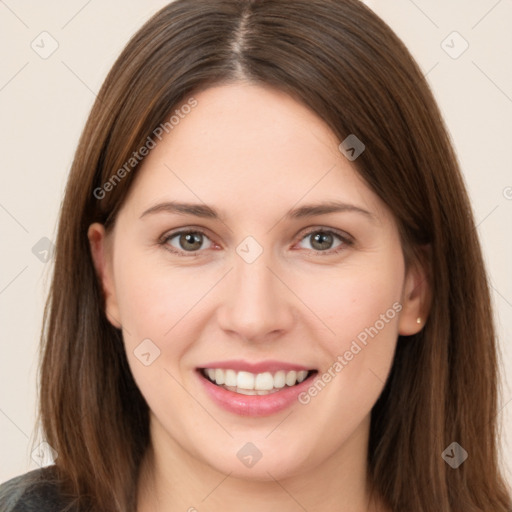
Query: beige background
x=45 y=102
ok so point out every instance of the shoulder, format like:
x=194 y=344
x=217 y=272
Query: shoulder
x=35 y=491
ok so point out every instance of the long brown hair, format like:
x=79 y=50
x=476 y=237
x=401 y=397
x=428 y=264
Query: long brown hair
x=344 y=63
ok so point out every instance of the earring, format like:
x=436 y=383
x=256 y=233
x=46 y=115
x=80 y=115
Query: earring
x=418 y=320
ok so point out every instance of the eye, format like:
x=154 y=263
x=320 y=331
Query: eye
x=190 y=241
x=323 y=240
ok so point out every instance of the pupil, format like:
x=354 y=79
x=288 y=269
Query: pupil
x=191 y=238
x=323 y=238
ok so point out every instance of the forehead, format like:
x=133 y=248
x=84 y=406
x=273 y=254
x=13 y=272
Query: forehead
x=249 y=148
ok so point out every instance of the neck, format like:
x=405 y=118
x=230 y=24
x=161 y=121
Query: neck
x=173 y=479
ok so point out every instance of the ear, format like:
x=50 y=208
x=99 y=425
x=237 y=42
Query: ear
x=416 y=296
x=101 y=252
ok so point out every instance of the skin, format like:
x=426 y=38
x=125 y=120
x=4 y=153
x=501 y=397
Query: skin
x=294 y=303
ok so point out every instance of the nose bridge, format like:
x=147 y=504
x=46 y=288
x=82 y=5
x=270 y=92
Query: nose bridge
x=257 y=303
x=254 y=281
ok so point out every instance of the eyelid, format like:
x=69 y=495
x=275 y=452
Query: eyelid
x=345 y=237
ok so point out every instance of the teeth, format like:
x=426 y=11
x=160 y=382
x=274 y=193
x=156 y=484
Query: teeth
x=219 y=376
x=280 y=379
x=264 y=381
x=301 y=375
x=244 y=380
x=230 y=378
x=248 y=383
x=247 y=391
x=291 y=378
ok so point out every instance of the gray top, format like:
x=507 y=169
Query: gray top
x=32 y=492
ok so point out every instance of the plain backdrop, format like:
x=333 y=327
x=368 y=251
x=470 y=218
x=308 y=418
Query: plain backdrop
x=464 y=48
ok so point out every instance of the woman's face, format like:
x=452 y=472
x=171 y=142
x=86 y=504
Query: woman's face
x=263 y=292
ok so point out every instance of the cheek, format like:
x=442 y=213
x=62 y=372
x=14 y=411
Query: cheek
x=356 y=300
x=155 y=304
x=148 y=308
x=362 y=308
x=154 y=297
x=165 y=304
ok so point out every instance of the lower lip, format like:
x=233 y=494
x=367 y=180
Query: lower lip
x=254 y=405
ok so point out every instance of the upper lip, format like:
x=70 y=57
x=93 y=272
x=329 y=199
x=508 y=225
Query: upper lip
x=240 y=365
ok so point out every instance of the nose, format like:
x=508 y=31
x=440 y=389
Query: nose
x=258 y=306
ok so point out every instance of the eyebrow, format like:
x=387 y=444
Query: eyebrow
x=205 y=211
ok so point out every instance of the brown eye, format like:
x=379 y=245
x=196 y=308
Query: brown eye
x=322 y=240
x=186 y=241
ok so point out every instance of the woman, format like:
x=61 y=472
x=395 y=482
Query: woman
x=268 y=291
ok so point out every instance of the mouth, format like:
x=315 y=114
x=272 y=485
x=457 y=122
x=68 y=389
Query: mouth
x=260 y=384
x=266 y=390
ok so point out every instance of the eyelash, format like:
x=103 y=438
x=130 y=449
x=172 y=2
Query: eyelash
x=343 y=237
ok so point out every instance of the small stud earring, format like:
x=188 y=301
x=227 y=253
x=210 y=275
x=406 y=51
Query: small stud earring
x=418 y=320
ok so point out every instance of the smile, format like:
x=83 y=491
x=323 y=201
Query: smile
x=257 y=389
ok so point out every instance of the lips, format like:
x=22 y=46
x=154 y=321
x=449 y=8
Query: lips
x=254 y=389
